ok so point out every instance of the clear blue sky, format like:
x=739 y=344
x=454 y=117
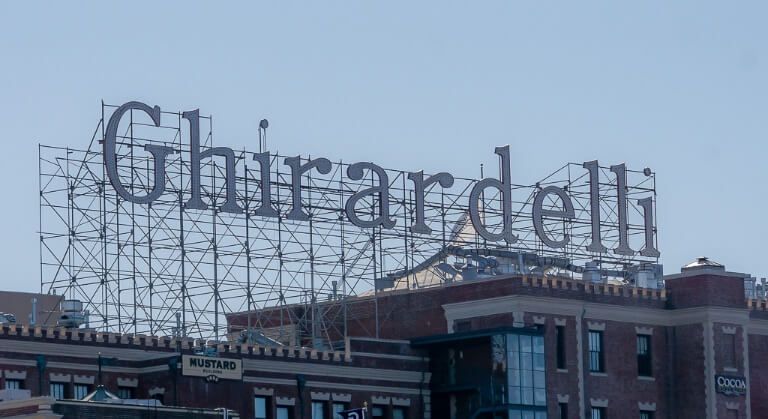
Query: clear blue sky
x=681 y=87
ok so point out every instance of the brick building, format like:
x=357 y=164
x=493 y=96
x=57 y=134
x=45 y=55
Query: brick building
x=507 y=346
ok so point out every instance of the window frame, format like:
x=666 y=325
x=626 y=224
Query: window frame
x=122 y=389
x=288 y=411
x=322 y=410
x=526 y=371
x=57 y=385
x=77 y=387
x=561 y=353
x=334 y=405
x=644 y=360
x=730 y=356
x=265 y=399
x=18 y=384
x=646 y=414
x=596 y=351
x=597 y=413
x=562 y=410
x=383 y=410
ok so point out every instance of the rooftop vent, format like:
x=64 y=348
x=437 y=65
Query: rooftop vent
x=72 y=314
x=702 y=263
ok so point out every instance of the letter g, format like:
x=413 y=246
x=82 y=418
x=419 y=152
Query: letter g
x=158 y=153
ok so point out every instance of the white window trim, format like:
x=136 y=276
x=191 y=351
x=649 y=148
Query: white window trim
x=596 y=326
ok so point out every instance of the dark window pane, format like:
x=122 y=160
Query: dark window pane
x=644 y=360
x=729 y=350
x=560 y=337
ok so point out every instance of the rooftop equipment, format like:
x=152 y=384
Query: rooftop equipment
x=72 y=315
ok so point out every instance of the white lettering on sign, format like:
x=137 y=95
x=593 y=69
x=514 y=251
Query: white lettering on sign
x=731 y=386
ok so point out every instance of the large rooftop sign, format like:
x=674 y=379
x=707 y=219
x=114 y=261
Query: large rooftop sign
x=354 y=209
x=153 y=220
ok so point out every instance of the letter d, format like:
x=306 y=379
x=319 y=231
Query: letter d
x=504 y=186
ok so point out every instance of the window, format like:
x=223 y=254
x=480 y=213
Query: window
x=562 y=410
x=318 y=411
x=284 y=412
x=644 y=360
x=337 y=408
x=260 y=407
x=598 y=412
x=596 y=351
x=399 y=413
x=81 y=390
x=125 y=392
x=58 y=390
x=560 y=337
x=644 y=414
x=377 y=412
x=14 y=384
x=729 y=350
x=525 y=373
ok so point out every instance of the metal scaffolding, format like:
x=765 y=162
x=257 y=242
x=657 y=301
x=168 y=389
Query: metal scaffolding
x=162 y=269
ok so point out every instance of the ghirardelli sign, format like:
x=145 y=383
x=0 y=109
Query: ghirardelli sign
x=361 y=215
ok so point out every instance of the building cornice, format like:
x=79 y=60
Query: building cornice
x=595 y=311
x=705 y=272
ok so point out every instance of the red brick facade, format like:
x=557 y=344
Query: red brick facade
x=699 y=326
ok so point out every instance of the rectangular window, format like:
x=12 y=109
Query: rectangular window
x=58 y=390
x=729 y=350
x=399 y=413
x=596 y=351
x=525 y=374
x=13 y=384
x=377 y=412
x=336 y=408
x=562 y=410
x=646 y=414
x=560 y=337
x=125 y=393
x=81 y=390
x=284 y=412
x=644 y=360
x=260 y=407
x=318 y=410
x=598 y=413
